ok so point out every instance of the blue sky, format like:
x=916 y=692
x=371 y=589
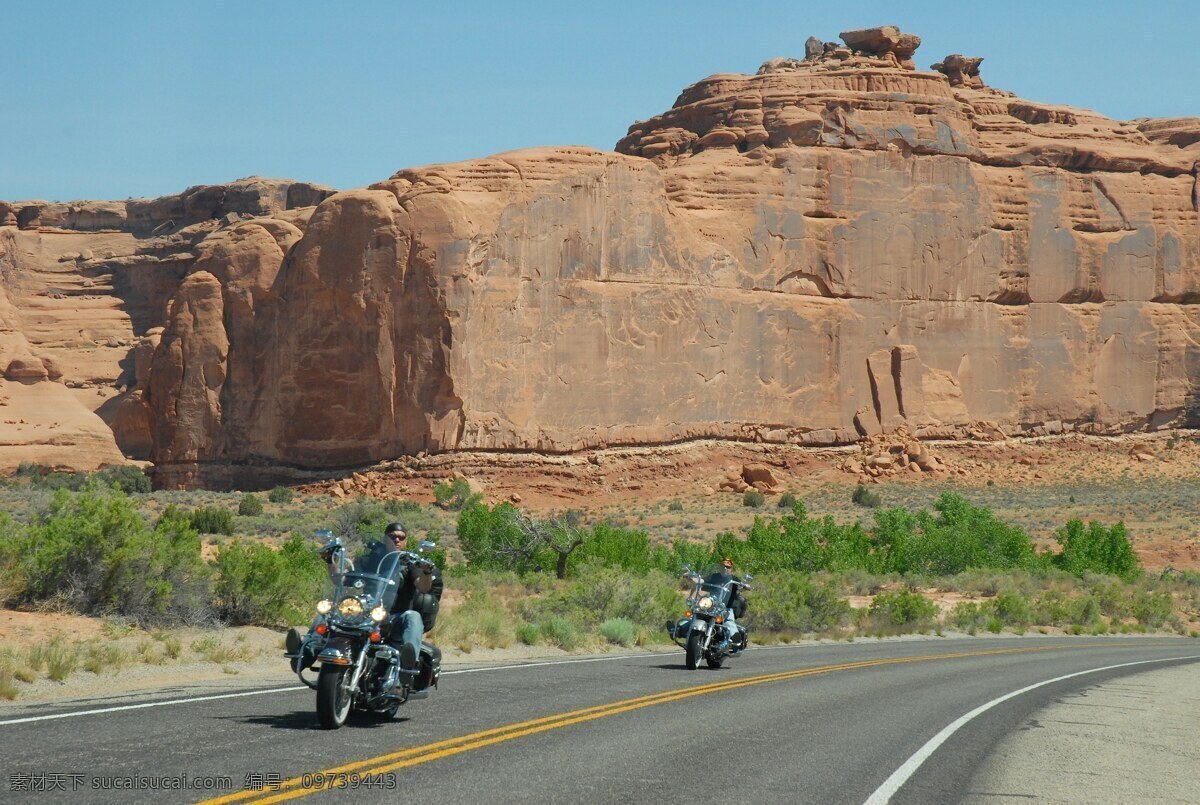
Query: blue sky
x=138 y=98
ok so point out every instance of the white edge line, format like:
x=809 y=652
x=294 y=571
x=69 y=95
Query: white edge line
x=144 y=705
x=900 y=776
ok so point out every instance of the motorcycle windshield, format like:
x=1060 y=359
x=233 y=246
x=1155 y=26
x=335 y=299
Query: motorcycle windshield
x=372 y=590
x=376 y=577
x=711 y=598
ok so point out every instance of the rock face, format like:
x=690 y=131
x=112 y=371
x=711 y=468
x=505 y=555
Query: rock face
x=88 y=285
x=837 y=247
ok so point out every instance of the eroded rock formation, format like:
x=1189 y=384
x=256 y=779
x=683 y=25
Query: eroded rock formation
x=88 y=284
x=837 y=247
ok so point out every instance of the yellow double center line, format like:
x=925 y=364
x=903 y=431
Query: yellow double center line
x=339 y=776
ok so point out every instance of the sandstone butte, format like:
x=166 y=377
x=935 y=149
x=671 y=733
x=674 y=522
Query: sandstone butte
x=833 y=247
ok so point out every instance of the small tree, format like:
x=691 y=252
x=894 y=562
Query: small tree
x=561 y=538
x=455 y=495
x=250 y=506
x=280 y=494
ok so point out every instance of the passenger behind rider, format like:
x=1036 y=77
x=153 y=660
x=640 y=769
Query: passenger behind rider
x=737 y=603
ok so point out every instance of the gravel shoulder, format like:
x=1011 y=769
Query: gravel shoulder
x=1112 y=742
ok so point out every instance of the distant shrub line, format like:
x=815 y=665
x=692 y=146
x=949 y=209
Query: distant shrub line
x=956 y=536
x=92 y=552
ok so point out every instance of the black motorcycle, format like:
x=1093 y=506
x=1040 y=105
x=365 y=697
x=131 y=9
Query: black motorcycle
x=704 y=632
x=356 y=669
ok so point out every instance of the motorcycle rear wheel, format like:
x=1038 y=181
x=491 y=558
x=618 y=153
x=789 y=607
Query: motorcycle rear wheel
x=694 y=649
x=333 y=700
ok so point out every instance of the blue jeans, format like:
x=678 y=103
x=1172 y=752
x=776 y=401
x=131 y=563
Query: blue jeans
x=407 y=627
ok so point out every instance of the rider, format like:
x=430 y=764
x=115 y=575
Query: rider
x=415 y=608
x=737 y=603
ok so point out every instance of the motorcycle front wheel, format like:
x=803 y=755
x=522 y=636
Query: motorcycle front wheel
x=694 y=649
x=333 y=700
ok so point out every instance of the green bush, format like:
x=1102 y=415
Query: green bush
x=1097 y=549
x=93 y=553
x=455 y=495
x=250 y=505
x=256 y=584
x=675 y=506
x=399 y=506
x=787 y=500
x=207 y=520
x=753 y=499
x=280 y=494
x=491 y=539
x=795 y=603
x=558 y=631
x=620 y=631
x=903 y=608
x=128 y=478
x=528 y=633
x=861 y=496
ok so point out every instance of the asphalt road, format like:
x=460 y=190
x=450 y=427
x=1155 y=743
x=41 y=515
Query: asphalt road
x=827 y=723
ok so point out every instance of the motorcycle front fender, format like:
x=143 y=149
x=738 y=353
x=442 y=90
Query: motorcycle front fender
x=337 y=651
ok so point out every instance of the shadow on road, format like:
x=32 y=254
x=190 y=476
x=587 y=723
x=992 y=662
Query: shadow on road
x=299 y=720
x=303 y=720
x=681 y=667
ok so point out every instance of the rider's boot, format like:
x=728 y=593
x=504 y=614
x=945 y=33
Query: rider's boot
x=408 y=658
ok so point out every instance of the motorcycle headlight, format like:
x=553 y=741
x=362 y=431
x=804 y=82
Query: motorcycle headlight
x=323 y=607
x=706 y=602
x=350 y=606
x=378 y=614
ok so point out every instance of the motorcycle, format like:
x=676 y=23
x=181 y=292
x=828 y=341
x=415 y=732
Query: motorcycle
x=704 y=633
x=355 y=668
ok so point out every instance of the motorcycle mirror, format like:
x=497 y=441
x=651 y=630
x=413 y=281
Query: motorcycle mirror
x=748 y=577
x=324 y=535
x=426 y=545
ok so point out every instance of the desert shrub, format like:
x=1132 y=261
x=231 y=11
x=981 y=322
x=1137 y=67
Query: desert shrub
x=1058 y=608
x=400 y=506
x=256 y=584
x=753 y=499
x=29 y=469
x=528 y=633
x=1097 y=549
x=481 y=620
x=561 y=632
x=281 y=494
x=620 y=631
x=903 y=608
x=455 y=494
x=357 y=520
x=794 y=602
x=93 y=553
x=968 y=616
x=626 y=548
x=675 y=505
x=959 y=536
x=787 y=500
x=492 y=539
x=1012 y=609
x=208 y=520
x=250 y=505
x=861 y=496
x=600 y=593
x=128 y=478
